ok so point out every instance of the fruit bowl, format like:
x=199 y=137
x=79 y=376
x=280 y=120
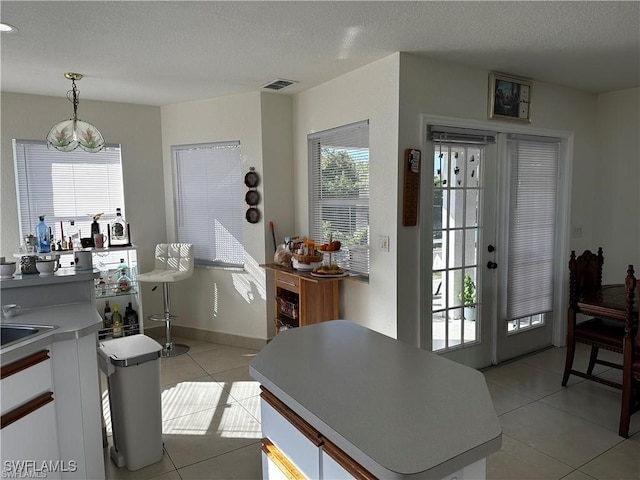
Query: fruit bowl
x=330 y=247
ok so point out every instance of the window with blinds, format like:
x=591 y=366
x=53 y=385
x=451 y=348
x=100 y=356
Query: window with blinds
x=208 y=200
x=339 y=193
x=66 y=186
x=532 y=224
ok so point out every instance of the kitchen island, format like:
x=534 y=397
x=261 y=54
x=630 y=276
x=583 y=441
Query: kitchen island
x=342 y=401
x=51 y=406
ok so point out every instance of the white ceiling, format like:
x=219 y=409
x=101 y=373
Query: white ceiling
x=161 y=52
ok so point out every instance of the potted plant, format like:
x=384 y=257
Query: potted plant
x=468 y=297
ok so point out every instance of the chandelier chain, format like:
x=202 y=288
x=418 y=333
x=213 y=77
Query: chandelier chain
x=73 y=96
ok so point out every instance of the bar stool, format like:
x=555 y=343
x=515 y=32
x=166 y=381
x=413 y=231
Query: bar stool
x=173 y=263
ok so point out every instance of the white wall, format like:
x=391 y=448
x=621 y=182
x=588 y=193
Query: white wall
x=135 y=127
x=617 y=171
x=370 y=92
x=226 y=301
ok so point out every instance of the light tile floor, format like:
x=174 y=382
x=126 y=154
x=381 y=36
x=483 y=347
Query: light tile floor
x=211 y=420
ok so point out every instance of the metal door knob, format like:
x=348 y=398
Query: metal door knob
x=492 y=265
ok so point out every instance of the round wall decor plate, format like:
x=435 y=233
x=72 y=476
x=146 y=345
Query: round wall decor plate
x=252 y=197
x=251 y=179
x=252 y=215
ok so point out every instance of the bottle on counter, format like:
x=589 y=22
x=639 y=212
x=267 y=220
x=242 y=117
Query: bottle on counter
x=119 y=231
x=123 y=282
x=123 y=265
x=131 y=320
x=43 y=236
x=108 y=316
x=116 y=321
x=74 y=236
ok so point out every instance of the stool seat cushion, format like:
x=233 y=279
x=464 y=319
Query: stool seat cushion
x=173 y=262
x=159 y=276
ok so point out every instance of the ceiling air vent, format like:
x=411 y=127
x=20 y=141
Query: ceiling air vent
x=278 y=84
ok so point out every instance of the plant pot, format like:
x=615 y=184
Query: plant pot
x=470 y=313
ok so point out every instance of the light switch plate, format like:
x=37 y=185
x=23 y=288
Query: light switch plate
x=383 y=243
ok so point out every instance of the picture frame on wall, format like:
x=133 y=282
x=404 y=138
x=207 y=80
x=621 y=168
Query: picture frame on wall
x=509 y=97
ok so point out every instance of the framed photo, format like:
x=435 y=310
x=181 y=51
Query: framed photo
x=509 y=98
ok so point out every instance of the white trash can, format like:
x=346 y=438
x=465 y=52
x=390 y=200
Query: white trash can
x=132 y=366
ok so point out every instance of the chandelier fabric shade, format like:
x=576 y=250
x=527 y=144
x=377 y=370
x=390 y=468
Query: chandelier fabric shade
x=73 y=133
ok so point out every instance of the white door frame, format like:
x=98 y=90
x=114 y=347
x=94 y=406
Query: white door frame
x=561 y=274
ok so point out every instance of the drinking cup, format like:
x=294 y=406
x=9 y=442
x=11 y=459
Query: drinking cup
x=10 y=310
x=83 y=260
x=99 y=239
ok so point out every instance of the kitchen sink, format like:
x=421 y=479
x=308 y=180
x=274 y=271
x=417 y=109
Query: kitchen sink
x=13 y=333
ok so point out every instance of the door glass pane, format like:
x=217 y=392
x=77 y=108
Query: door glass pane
x=456 y=228
x=445 y=209
x=471 y=246
x=472 y=200
x=473 y=168
x=439 y=287
x=455 y=327
x=456 y=208
x=454 y=247
x=457 y=168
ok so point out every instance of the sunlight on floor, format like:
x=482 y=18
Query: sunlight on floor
x=186 y=397
x=202 y=408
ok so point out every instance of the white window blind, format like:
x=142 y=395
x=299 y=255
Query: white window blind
x=65 y=186
x=532 y=224
x=339 y=193
x=208 y=198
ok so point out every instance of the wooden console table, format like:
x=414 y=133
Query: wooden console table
x=302 y=299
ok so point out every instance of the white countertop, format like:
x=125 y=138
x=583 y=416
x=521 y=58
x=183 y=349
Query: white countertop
x=71 y=321
x=397 y=410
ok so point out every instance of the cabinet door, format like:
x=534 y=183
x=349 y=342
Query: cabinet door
x=30 y=444
x=275 y=465
x=297 y=441
x=25 y=379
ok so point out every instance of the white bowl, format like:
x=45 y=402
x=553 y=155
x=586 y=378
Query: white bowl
x=47 y=267
x=305 y=267
x=7 y=270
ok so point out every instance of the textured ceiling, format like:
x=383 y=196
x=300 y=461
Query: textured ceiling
x=165 y=52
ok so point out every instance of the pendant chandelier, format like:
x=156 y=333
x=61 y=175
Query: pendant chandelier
x=73 y=133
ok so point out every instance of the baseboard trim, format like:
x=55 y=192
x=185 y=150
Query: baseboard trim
x=157 y=332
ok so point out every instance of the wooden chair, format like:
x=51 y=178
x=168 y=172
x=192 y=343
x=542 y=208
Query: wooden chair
x=585 y=278
x=631 y=356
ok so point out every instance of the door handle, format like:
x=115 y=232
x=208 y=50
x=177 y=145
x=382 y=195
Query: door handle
x=491 y=248
x=492 y=265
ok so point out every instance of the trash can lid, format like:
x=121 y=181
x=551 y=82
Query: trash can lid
x=132 y=350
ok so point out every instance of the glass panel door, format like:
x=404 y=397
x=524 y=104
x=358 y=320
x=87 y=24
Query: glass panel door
x=457 y=196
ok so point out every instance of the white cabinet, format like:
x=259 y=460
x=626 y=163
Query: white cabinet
x=28 y=430
x=29 y=455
